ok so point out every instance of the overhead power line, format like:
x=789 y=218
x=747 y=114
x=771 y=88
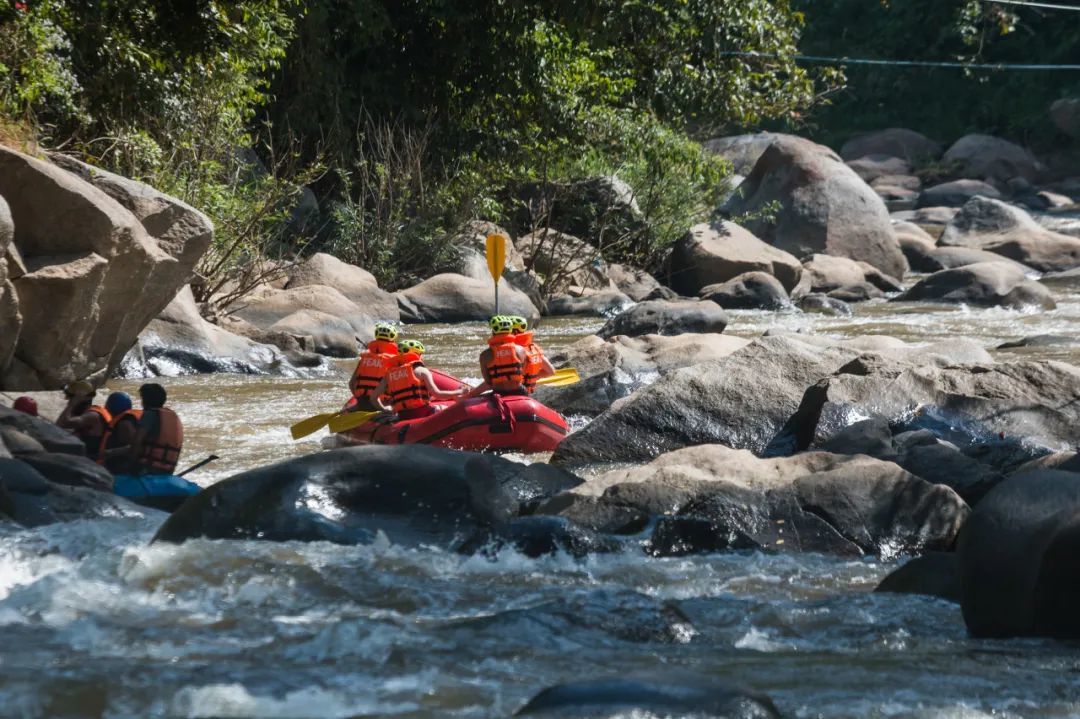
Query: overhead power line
x=1027 y=3
x=902 y=63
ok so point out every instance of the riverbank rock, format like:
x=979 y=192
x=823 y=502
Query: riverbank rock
x=346 y=495
x=675 y=695
x=711 y=253
x=637 y=284
x=873 y=167
x=713 y=498
x=749 y=291
x=614 y=368
x=667 y=317
x=42 y=431
x=935 y=259
x=984 y=284
x=180 y=342
x=455 y=298
x=30 y=500
x=994 y=226
x=563 y=261
x=823 y=304
x=599 y=303
x=988 y=157
x=894 y=141
x=742 y=151
x=356 y=284
x=1020 y=558
x=99 y=265
x=825 y=206
x=10 y=319
x=955 y=193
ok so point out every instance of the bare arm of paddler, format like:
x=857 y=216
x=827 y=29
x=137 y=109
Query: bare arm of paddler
x=89 y=423
x=547 y=369
x=433 y=389
x=379 y=392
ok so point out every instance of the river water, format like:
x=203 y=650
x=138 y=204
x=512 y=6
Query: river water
x=96 y=622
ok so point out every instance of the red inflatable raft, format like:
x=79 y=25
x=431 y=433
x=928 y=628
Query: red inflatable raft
x=488 y=422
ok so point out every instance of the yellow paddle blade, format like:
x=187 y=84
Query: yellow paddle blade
x=496 y=255
x=312 y=424
x=565 y=376
x=350 y=420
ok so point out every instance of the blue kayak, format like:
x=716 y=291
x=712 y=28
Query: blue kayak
x=160 y=491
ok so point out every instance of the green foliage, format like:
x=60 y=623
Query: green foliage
x=941 y=102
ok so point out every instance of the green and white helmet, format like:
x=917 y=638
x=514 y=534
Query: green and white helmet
x=501 y=325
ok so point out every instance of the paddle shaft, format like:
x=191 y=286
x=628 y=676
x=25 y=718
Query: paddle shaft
x=193 y=467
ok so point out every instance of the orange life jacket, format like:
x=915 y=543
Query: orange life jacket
x=406 y=390
x=92 y=439
x=505 y=370
x=161 y=453
x=374 y=363
x=106 y=439
x=534 y=360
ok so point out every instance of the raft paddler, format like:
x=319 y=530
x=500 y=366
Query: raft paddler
x=502 y=364
x=83 y=418
x=115 y=452
x=409 y=385
x=375 y=361
x=159 y=435
x=537 y=365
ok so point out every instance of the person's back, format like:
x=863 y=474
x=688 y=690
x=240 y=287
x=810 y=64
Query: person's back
x=160 y=436
x=120 y=435
x=409 y=385
x=375 y=361
x=503 y=362
x=536 y=365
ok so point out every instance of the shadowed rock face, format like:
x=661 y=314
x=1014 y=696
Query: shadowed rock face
x=663 y=696
x=667 y=317
x=100 y=256
x=412 y=493
x=30 y=500
x=1020 y=558
x=985 y=284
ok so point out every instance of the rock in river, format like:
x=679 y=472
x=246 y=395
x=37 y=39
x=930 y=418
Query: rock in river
x=346 y=495
x=667 y=317
x=720 y=251
x=984 y=284
x=1020 y=558
x=456 y=298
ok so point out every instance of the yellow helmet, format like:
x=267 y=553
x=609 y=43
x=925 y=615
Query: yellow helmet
x=501 y=325
x=385 y=331
x=79 y=386
x=407 y=346
x=519 y=323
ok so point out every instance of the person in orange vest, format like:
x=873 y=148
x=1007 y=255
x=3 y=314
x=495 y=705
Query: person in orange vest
x=409 y=385
x=536 y=364
x=83 y=418
x=159 y=436
x=502 y=364
x=116 y=444
x=374 y=363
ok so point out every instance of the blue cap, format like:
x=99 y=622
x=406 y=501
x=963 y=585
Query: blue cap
x=118 y=403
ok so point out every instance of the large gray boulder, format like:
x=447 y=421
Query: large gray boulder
x=30 y=500
x=667 y=317
x=984 y=284
x=712 y=497
x=179 y=341
x=874 y=167
x=987 y=224
x=716 y=252
x=614 y=368
x=1020 y=558
x=456 y=298
x=355 y=283
x=600 y=303
x=347 y=495
x=742 y=400
x=992 y=158
x=827 y=273
x=955 y=193
x=742 y=151
x=267 y=306
x=99 y=265
x=825 y=206
x=894 y=141
x=933 y=258
x=637 y=284
x=1066 y=116
x=44 y=432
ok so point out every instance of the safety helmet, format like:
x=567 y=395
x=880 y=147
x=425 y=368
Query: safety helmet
x=26 y=405
x=407 y=346
x=117 y=403
x=385 y=331
x=519 y=323
x=501 y=325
